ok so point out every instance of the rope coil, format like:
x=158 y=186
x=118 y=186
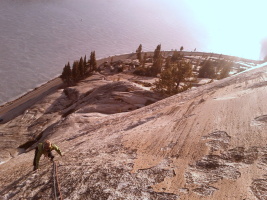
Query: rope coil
x=56 y=182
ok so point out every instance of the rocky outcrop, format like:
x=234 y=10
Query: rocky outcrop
x=205 y=143
x=113 y=98
x=93 y=95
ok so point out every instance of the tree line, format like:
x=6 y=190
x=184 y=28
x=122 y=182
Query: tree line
x=80 y=69
x=215 y=69
x=176 y=72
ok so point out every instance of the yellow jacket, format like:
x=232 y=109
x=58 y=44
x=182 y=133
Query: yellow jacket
x=41 y=150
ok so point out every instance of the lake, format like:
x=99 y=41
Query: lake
x=39 y=37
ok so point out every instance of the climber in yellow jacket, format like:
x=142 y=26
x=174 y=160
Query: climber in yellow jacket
x=45 y=148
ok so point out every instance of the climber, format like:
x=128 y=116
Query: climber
x=44 y=148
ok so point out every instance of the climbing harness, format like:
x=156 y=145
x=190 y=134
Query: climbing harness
x=56 y=182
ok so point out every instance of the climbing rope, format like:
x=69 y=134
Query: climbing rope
x=56 y=182
x=54 y=175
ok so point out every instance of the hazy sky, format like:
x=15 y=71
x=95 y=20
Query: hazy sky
x=235 y=27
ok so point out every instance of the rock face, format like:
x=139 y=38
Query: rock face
x=113 y=98
x=205 y=143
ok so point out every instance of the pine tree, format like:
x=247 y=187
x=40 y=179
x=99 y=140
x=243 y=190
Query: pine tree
x=207 y=70
x=165 y=84
x=168 y=63
x=181 y=72
x=86 y=66
x=176 y=56
x=81 y=68
x=69 y=75
x=172 y=77
x=144 y=60
x=84 y=60
x=157 y=62
x=92 y=61
x=157 y=52
x=139 y=53
x=66 y=74
x=225 y=68
x=156 y=67
x=75 y=71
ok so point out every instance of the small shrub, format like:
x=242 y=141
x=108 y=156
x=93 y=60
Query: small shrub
x=140 y=71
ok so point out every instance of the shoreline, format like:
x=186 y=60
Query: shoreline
x=26 y=93
x=13 y=108
x=122 y=56
x=56 y=77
